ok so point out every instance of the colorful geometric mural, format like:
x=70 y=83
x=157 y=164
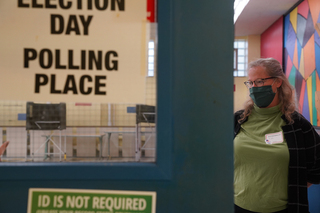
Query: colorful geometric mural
x=302 y=55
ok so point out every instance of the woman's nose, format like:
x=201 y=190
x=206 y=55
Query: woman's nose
x=254 y=84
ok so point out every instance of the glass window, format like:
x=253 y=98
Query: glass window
x=98 y=106
x=241 y=47
x=151 y=51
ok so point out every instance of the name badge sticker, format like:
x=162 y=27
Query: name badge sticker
x=274 y=138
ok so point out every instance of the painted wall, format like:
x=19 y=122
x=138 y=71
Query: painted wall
x=272 y=41
x=253 y=47
x=302 y=66
x=302 y=55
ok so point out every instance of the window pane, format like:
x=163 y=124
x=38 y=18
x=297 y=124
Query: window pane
x=241 y=44
x=241 y=52
x=151 y=44
x=235 y=73
x=240 y=66
x=240 y=59
x=151 y=52
x=150 y=73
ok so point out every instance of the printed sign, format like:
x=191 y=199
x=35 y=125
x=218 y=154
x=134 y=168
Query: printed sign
x=90 y=201
x=84 y=51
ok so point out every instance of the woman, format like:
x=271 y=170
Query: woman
x=276 y=150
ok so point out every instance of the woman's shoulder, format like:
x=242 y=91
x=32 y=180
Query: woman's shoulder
x=237 y=116
x=299 y=118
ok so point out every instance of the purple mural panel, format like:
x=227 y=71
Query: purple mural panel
x=286 y=22
x=287 y=63
x=301 y=26
x=309 y=30
x=298 y=84
x=285 y=66
x=299 y=48
x=316 y=38
x=291 y=39
x=317 y=56
x=305 y=110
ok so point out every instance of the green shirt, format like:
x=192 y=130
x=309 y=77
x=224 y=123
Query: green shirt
x=261 y=166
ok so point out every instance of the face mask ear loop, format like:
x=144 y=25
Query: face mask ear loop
x=272 y=85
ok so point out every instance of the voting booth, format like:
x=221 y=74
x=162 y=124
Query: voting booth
x=144 y=114
x=41 y=117
x=45 y=116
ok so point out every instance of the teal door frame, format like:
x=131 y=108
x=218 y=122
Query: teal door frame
x=194 y=168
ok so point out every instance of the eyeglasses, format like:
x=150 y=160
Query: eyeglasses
x=259 y=82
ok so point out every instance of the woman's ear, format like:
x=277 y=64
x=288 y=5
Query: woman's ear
x=279 y=82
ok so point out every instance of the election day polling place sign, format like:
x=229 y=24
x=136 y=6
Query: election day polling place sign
x=90 y=201
x=79 y=50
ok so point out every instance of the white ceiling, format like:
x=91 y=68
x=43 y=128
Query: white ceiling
x=258 y=15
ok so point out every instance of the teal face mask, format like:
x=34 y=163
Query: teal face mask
x=262 y=96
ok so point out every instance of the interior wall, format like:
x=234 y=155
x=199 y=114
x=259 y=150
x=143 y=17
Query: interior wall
x=253 y=47
x=272 y=41
x=240 y=94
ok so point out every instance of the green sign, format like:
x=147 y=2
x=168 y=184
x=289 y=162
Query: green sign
x=90 y=201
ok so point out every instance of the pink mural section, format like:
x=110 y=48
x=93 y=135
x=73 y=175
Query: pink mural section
x=272 y=41
x=302 y=55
